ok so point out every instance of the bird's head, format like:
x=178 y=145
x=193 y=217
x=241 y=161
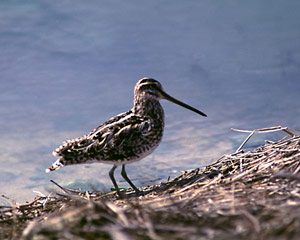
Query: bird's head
x=149 y=89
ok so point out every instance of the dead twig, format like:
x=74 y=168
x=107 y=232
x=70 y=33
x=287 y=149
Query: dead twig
x=65 y=190
x=260 y=130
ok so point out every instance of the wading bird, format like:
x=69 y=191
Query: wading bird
x=125 y=138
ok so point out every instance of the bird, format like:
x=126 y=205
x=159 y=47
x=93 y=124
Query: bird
x=125 y=138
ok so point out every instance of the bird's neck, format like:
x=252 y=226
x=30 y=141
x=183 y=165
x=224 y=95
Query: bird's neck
x=148 y=107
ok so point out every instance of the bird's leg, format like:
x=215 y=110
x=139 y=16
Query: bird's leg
x=111 y=175
x=124 y=175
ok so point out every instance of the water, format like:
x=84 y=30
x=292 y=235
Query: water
x=67 y=66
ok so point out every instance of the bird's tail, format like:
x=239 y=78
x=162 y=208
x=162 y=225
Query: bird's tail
x=56 y=165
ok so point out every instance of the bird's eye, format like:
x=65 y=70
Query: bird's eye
x=152 y=92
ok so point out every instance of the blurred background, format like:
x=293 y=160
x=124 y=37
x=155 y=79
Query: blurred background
x=66 y=66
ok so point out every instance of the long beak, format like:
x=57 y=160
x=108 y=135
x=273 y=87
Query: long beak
x=174 y=100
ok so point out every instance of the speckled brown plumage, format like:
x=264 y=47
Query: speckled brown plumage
x=126 y=138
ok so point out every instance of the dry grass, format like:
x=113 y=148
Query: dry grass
x=245 y=195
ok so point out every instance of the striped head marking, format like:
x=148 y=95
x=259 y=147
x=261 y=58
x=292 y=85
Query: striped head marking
x=148 y=88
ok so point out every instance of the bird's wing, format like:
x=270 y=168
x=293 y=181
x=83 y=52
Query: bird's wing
x=110 y=141
x=120 y=140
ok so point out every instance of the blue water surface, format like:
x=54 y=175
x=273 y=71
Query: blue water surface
x=67 y=66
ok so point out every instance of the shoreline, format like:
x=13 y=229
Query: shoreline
x=244 y=195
